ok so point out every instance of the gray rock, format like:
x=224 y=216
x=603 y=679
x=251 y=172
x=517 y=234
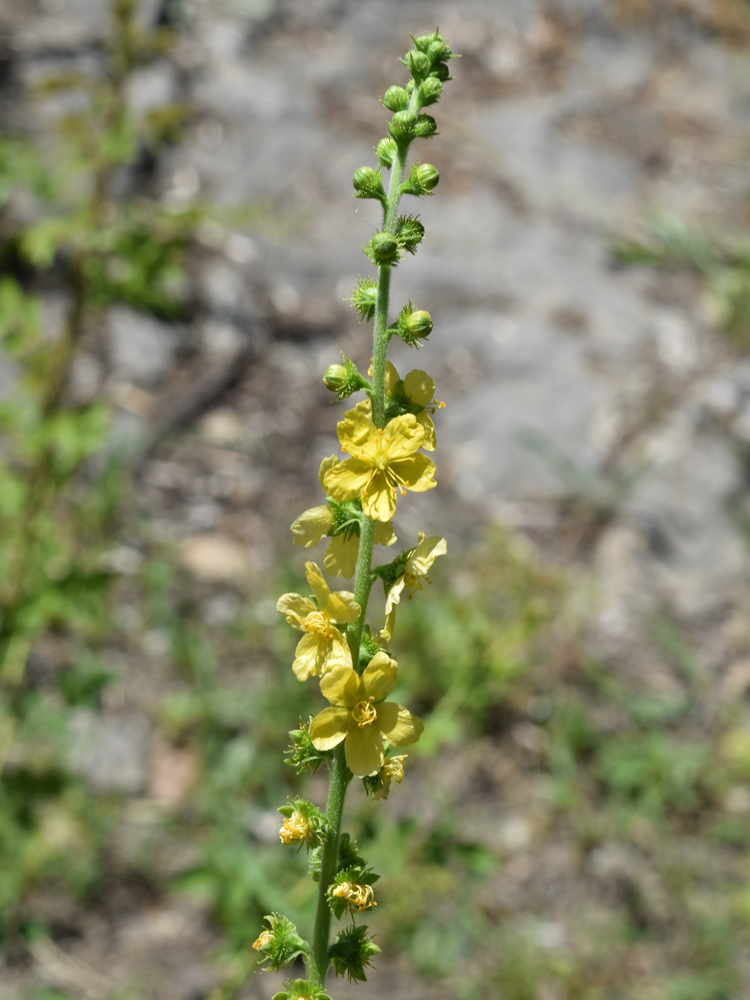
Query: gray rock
x=110 y=752
x=141 y=349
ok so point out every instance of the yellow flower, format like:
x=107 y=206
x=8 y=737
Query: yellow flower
x=359 y=715
x=415 y=570
x=341 y=554
x=415 y=394
x=323 y=646
x=383 y=461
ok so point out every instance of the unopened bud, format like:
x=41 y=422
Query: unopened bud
x=427 y=175
x=430 y=91
x=386 y=152
x=401 y=126
x=383 y=248
x=335 y=377
x=425 y=126
x=368 y=183
x=396 y=99
x=419 y=324
x=417 y=63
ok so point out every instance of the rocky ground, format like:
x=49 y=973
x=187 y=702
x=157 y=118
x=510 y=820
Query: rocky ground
x=595 y=408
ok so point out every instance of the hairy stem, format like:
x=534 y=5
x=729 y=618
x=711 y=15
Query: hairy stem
x=340 y=778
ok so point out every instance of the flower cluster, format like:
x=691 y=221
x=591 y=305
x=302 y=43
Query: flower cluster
x=385 y=439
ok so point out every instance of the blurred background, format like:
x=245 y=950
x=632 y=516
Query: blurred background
x=177 y=237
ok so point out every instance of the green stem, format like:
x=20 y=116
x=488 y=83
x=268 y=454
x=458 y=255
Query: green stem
x=340 y=778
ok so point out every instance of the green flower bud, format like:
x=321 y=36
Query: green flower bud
x=383 y=248
x=429 y=92
x=417 y=63
x=334 y=377
x=427 y=175
x=368 y=183
x=411 y=326
x=386 y=152
x=409 y=232
x=441 y=72
x=419 y=324
x=344 y=379
x=401 y=126
x=425 y=126
x=423 y=177
x=364 y=297
x=396 y=99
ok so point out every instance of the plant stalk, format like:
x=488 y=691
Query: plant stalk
x=340 y=775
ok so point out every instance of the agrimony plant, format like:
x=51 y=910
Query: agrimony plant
x=385 y=437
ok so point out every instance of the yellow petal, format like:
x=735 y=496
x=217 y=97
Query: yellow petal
x=342 y=686
x=342 y=607
x=318 y=584
x=295 y=608
x=384 y=533
x=356 y=431
x=341 y=556
x=310 y=526
x=379 y=676
x=346 y=480
x=419 y=388
x=398 y=725
x=328 y=728
x=316 y=655
x=391 y=376
x=386 y=633
x=403 y=436
x=325 y=465
x=364 y=750
x=394 y=595
x=379 y=502
x=417 y=472
x=425 y=420
x=425 y=554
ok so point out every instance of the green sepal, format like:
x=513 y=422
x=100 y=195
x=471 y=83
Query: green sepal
x=368 y=646
x=364 y=298
x=349 y=859
x=302 y=755
x=392 y=571
x=351 y=952
x=410 y=232
x=300 y=989
x=282 y=945
x=347 y=517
